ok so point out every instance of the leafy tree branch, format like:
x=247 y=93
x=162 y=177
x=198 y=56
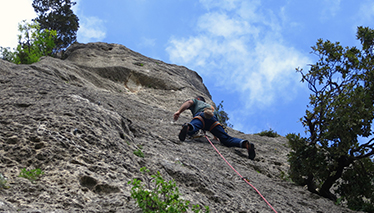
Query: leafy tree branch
x=339 y=122
x=33 y=43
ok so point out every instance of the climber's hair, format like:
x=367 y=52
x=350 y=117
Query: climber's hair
x=201 y=98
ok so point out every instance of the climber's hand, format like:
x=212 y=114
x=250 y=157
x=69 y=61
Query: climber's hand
x=176 y=115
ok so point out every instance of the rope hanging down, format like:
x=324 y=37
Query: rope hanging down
x=240 y=174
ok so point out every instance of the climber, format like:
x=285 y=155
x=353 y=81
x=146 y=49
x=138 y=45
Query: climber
x=205 y=118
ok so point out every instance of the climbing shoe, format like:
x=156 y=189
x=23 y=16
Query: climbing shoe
x=251 y=149
x=183 y=132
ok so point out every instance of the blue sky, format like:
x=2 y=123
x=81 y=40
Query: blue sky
x=245 y=50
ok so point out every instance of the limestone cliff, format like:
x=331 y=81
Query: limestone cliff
x=80 y=120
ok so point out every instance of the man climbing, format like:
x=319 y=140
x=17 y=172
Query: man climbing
x=205 y=118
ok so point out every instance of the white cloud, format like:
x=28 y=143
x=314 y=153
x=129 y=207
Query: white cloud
x=12 y=13
x=91 y=29
x=366 y=12
x=251 y=10
x=76 y=8
x=148 y=42
x=273 y=75
x=330 y=8
x=189 y=50
x=224 y=4
x=220 y=24
x=247 y=52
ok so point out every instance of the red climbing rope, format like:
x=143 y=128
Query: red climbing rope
x=240 y=175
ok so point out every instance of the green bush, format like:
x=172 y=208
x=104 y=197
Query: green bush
x=33 y=43
x=32 y=175
x=139 y=153
x=270 y=133
x=3 y=182
x=162 y=197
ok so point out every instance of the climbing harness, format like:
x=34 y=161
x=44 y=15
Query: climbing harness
x=203 y=123
x=201 y=119
x=214 y=125
x=244 y=178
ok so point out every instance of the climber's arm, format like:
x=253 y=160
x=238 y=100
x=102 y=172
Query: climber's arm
x=184 y=106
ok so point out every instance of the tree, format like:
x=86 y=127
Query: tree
x=340 y=113
x=57 y=15
x=222 y=116
x=33 y=43
x=7 y=54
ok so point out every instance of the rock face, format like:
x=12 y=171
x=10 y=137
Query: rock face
x=80 y=120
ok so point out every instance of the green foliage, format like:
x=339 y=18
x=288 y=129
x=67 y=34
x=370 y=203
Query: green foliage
x=33 y=43
x=357 y=183
x=161 y=196
x=7 y=54
x=139 y=153
x=57 y=15
x=179 y=162
x=340 y=111
x=366 y=36
x=270 y=133
x=222 y=116
x=303 y=159
x=284 y=176
x=138 y=64
x=3 y=182
x=32 y=175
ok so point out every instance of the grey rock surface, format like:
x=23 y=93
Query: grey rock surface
x=81 y=119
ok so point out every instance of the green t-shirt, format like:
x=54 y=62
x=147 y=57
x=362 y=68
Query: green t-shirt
x=198 y=106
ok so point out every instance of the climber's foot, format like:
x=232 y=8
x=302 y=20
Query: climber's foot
x=251 y=149
x=183 y=132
